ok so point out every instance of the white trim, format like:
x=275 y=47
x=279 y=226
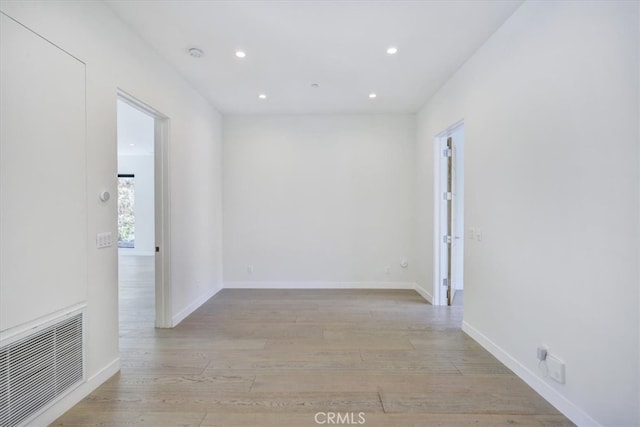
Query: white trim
x=439 y=144
x=331 y=285
x=18 y=332
x=179 y=317
x=423 y=293
x=162 y=208
x=555 y=398
x=437 y=219
x=319 y=285
x=74 y=397
x=164 y=283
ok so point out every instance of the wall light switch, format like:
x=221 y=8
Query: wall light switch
x=104 y=240
x=472 y=233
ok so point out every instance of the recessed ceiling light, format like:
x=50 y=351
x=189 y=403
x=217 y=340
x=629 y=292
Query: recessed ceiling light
x=262 y=96
x=240 y=54
x=132 y=145
x=372 y=95
x=392 y=50
x=315 y=85
x=196 y=52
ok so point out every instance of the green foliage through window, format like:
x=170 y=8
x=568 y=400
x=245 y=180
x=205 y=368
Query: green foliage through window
x=126 y=213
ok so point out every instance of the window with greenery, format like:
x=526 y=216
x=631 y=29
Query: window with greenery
x=126 y=213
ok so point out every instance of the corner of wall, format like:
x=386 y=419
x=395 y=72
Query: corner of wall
x=424 y=293
x=182 y=314
x=561 y=403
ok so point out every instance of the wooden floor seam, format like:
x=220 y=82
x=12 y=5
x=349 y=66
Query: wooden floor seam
x=261 y=357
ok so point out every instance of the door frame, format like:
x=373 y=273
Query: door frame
x=162 y=205
x=440 y=208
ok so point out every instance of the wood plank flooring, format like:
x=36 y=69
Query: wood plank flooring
x=279 y=357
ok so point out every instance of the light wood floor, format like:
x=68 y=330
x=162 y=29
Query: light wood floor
x=278 y=357
x=136 y=293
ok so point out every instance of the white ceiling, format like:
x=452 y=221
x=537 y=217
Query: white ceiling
x=341 y=45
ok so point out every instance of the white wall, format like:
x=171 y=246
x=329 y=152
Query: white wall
x=116 y=58
x=144 y=208
x=318 y=200
x=551 y=114
x=43 y=231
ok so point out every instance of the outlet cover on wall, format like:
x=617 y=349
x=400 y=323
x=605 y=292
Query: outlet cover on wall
x=556 y=369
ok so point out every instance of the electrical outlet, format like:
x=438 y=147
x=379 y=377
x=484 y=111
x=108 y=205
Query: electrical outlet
x=387 y=270
x=556 y=369
x=250 y=269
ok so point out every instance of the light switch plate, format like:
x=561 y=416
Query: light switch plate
x=104 y=240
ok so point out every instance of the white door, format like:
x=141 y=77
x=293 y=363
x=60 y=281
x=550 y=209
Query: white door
x=457 y=214
x=448 y=238
x=450 y=208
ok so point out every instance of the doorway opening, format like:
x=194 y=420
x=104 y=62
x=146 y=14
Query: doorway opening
x=143 y=244
x=449 y=216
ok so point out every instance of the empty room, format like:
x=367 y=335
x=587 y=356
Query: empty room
x=302 y=213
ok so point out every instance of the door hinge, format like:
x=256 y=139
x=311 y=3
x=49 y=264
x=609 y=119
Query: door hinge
x=445 y=282
x=447 y=195
x=447 y=152
x=157 y=248
x=446 y=239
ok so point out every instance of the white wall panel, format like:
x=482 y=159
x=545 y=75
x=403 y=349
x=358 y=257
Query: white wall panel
x=318 y=200
x=116 y=58
x=551 y=110
x=43 y=204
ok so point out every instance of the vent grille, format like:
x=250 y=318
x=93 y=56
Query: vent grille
x=40 y=368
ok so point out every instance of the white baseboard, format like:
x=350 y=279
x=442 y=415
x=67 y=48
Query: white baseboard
x=319 y=285
x=330 y=285
x=424 y=294
x=559 y=401
x=182 y=314
x=83 y=390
